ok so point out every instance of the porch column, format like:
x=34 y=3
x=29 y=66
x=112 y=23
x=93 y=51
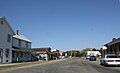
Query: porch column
x=46 y=57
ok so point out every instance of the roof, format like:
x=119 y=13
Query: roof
x=41 y=49
x=22 y=49
x=15 y=35
x=2 y=17
x=114 y=41
x=19 y=36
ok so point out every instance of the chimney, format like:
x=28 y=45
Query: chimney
x=17 y=32
x=114 y=39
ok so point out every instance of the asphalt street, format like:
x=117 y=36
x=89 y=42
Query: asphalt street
x=70 y=65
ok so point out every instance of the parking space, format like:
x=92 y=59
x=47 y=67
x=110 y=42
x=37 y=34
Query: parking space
x=97 y=63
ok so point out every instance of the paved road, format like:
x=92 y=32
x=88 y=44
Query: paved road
x=71 y=65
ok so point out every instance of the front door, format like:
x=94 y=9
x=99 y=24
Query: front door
x=1 y=56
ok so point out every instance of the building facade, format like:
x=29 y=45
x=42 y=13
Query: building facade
x=42 y=53
x=6 y=34
x=21 y=48
x=113 y=47
x=55 y=54
x=93 y=53
x=14 y=47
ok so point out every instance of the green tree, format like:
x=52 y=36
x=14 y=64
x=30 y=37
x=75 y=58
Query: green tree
x=82 y=53
x=87 y=49
x=94 y=49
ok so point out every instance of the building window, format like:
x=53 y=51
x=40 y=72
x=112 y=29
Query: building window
x=0 y=52
x=21 y=54
x=27 y=44
x=110 y=50
x=13 y=54
x=28 y=55
x=9 y=38
x=119 y=47
x=2 y=22
x=19 y=42
x=7 y=53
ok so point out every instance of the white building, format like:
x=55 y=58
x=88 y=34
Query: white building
x=43 y=53
x=21 y=48
x=6 y=34
x=13 y=47
x=92 y=53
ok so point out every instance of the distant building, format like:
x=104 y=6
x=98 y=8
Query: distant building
x=42 y=53
x=55 y=54
x=61 y=53
x=72 y=53
x=92 y=53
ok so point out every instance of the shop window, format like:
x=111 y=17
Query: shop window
x=21 y=54
x=13 y=54
x=119 y=47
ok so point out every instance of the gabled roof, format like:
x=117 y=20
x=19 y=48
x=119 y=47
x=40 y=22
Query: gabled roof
x=17 y=36
x=3 y=18
x=21 y=37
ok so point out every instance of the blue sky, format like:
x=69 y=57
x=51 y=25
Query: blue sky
x=64 y=24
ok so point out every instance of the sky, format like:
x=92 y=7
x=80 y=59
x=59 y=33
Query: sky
x=64 y=24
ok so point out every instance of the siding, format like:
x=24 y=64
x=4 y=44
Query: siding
x=4 y=31
x=23 y=43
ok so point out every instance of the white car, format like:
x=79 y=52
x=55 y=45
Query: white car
x=110 y=59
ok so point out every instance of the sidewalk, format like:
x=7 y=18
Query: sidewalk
x=26 y=64
x=15 y=65
x=1 y=65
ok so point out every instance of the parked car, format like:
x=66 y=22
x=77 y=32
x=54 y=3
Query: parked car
x=110 y=59
x=92 y=58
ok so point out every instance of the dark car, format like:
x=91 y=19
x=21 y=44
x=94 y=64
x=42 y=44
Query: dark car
x=92 y=58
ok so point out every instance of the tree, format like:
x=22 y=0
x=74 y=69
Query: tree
x=82 y=53
x=87 y=49
x=94 y=49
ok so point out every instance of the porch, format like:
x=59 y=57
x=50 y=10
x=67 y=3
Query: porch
x=21 y=55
